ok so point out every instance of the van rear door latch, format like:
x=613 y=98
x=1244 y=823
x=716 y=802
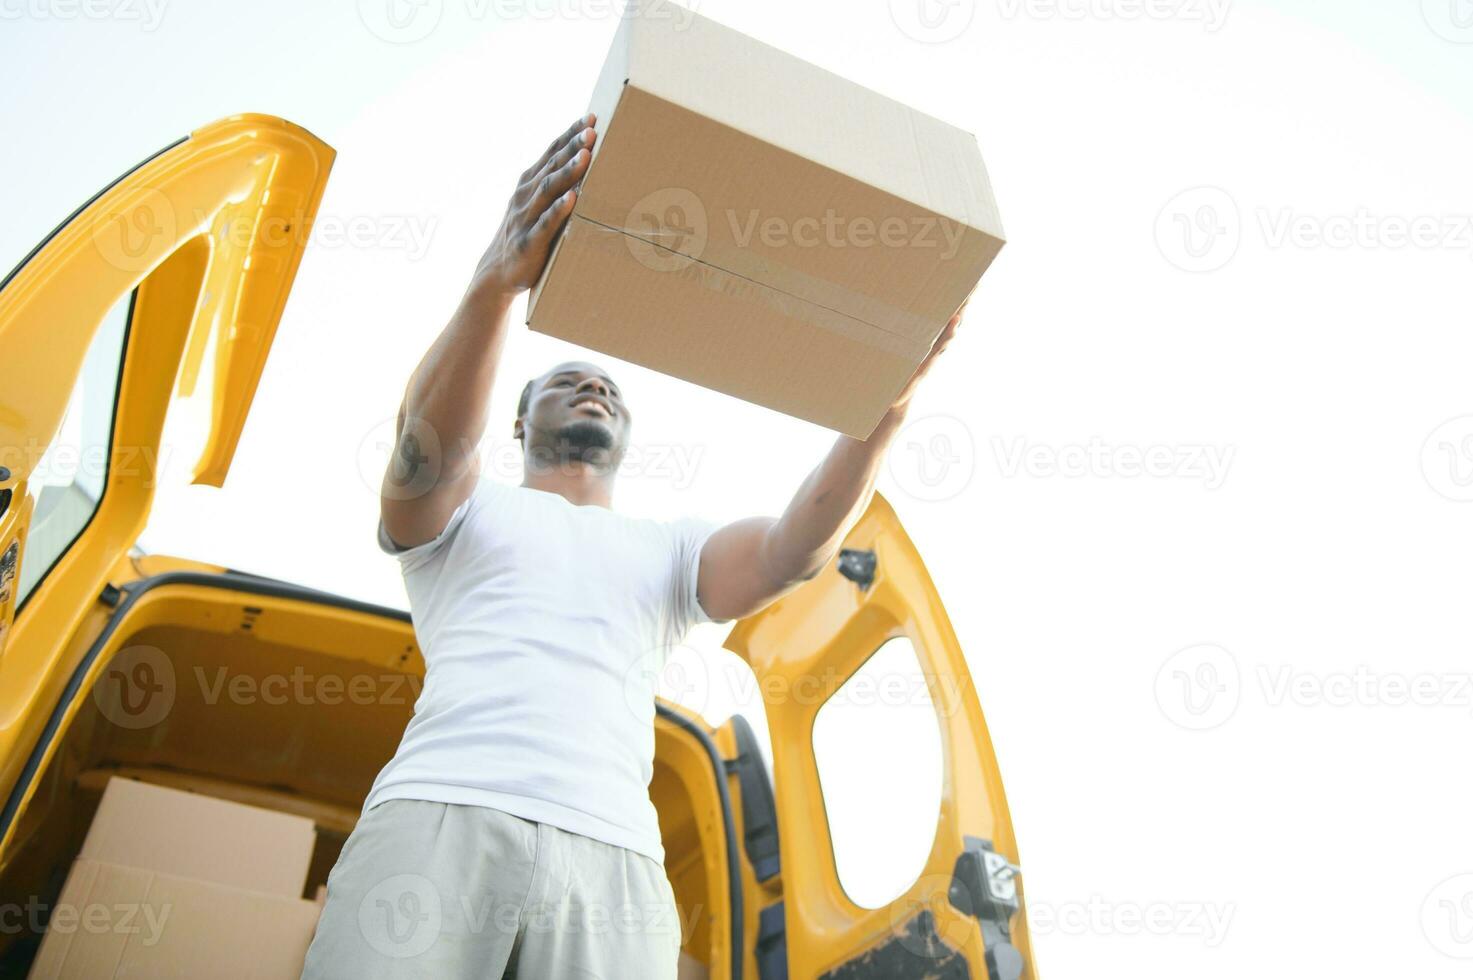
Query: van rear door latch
x=984 y=884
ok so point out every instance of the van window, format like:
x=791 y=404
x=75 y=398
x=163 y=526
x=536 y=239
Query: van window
x=69 y=478
x=877 y=742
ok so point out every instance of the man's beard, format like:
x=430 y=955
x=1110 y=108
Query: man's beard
x=584 y=441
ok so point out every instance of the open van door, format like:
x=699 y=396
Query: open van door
x=99 y=326
x=962 y=917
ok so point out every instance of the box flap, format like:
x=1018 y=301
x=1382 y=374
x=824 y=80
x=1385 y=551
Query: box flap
x=114 y=920
x=194 y=836
x=678 y=55
x=67 y=949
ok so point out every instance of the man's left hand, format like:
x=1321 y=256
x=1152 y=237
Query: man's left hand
x=948 y=333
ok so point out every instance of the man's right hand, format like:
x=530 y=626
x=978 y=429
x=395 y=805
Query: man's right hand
x=443 y=415
x=543 y=200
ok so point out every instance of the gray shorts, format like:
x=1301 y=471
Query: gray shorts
x=444 y=891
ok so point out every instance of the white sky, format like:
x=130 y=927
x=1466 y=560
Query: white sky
x=1316 y=372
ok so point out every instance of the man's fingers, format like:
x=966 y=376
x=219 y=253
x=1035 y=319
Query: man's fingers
x=557 y=182
x=582 y=140
x=581 y=124
x=540 y=234
x=948 y=333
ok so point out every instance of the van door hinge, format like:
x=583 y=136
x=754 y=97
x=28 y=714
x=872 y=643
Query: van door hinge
x=984 y=884
x=772 y=944
x=858 y=566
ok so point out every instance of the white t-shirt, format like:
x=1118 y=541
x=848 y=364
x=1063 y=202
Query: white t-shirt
x=544 y=627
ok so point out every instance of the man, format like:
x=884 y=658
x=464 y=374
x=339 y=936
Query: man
x=512 y=834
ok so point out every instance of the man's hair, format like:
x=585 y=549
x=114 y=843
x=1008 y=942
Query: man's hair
x=526 y=400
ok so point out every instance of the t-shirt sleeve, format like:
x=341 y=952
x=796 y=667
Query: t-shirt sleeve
x=689 y=537
x=410 y=558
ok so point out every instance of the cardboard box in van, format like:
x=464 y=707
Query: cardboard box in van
x=118 y=921
x=192 y=836
x=175 y=884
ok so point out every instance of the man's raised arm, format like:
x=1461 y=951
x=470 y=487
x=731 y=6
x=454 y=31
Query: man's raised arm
x=434 y=465
x=748 y=564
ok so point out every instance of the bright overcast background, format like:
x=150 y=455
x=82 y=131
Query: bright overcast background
x=1240 y=249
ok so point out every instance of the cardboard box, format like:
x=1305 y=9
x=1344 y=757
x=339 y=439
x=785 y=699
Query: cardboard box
x=762 y=227
x=193 y=836
x=118 y=921
x=174 y=884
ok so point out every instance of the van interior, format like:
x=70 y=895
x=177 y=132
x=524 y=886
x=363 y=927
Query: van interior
x=291 y=700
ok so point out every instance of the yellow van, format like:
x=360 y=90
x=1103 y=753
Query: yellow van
x=202 y=241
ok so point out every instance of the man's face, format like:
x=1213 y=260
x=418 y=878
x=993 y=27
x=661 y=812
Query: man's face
x=575 y=413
